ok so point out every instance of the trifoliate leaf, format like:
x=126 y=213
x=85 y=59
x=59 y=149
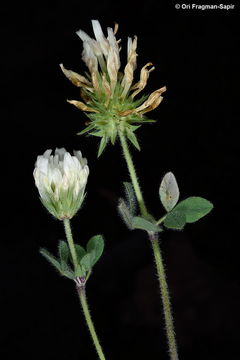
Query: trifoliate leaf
x=143 y=224
x=168 y=191
x=175 y=220
x=130 y=196
x=194 y=208
x=63 y=251
x=52 y=259
x=95 y=248
x=125 y=213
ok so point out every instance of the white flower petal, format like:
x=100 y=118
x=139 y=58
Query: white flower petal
x=47 y=154
x=100 y=36
x=42 y=164
x=60 y=152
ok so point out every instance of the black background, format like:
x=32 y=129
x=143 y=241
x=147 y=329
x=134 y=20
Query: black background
x=196 y=136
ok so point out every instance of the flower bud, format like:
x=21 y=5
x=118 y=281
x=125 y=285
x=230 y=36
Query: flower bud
x=61 y=180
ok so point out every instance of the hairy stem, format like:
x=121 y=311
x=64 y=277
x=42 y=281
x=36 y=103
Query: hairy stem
x=86 y=312
x=156 y=251
x=81 y=291
x=68 y=231
x=165 y=296
x=132 y=173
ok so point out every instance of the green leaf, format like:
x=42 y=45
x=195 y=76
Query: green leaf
x=125 y=213
x=175 y=220
x=95 y=248
x=194 y=208
x=131 y=198
x=63 y=251
x=187 y=211
x=52 y=259
x=80 y=271
x=168 y=191
x=86 y=262
x=80 y=252
x=143 y=224
x=68 y=274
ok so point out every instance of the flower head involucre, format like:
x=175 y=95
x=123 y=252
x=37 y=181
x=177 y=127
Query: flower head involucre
x=61 y=180
x=109 y=95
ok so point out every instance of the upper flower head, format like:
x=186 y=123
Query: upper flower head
x=61 y=180
x=108 y=94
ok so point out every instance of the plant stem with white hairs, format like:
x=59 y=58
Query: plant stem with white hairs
x=172 y=345
x=82 y=291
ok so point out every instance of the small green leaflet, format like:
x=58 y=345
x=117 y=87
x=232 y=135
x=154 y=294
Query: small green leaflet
x=80 y=252
x=86 y=262
x=175 y=220
x=168 y=191
x=143 y=224
x=95 y=248
x=125 y=213
x=52 y=259
x=63 y=251
x=187 y=211
x=194 y=208
x=130 y=197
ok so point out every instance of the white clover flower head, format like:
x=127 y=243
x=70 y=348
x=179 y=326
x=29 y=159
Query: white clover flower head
x=61 y=180
x=109 y=95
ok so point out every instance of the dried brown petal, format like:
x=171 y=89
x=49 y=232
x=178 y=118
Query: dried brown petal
x=130 y=67
x=77 y=79
x=144 y=75
x=107 y=89
x=126 y=112
x=80 y=105
x=95 y=81
x=152 y=102
x=116 y=26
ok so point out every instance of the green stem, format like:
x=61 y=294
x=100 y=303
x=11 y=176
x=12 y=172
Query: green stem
x=132 y=173
x=83 y=300
x=81 y=290
x=161 y=220
x=165 y=296
x=156 y=251
x=68 y=231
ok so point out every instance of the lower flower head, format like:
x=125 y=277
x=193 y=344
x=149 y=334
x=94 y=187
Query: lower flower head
x=61 y=180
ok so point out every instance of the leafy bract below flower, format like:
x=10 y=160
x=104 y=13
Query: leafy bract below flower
x=61 y=180
x=109 y=95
